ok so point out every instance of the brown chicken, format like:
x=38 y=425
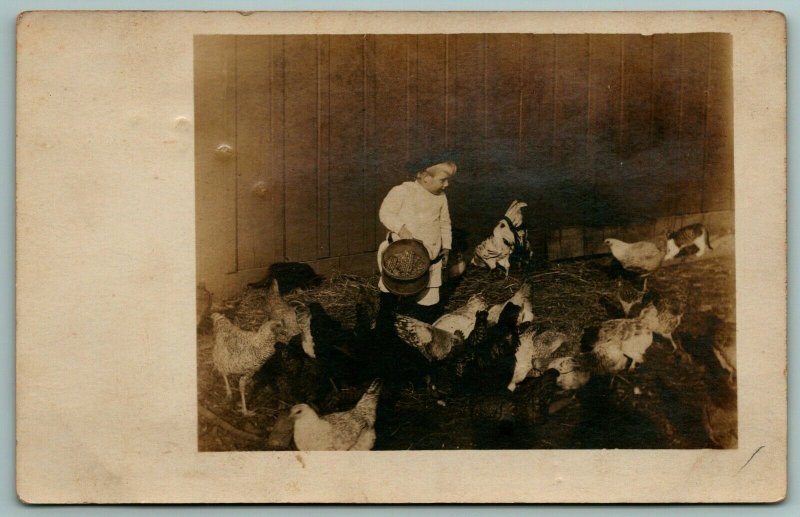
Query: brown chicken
x=241 y=352
x=282 y=311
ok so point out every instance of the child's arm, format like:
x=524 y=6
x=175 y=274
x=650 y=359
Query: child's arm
x=445 y=226
x=389 y=213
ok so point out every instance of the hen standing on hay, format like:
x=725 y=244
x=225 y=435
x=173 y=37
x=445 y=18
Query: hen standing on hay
x=641 y=258
x=241 y=352
x=352 y=430
x=508 y=236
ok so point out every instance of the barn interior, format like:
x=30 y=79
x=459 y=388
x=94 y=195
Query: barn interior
x=625 y=136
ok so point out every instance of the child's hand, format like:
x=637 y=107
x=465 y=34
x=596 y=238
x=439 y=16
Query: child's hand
x=404 y=233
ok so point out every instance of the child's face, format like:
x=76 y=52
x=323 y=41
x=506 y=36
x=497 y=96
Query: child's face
x=435 y=184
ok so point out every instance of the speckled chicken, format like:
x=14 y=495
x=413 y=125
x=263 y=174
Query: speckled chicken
x=521 y=298
x=463 y=318
x=433 y=343
x=280 y=310
x=534 y=353
x=629 y=298
x=352 y=430
x=241 y=352
x=666 y=318
x=623 y=339
x=641 y=257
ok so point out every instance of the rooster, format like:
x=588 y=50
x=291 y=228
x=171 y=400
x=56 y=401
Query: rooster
x=352 y=430
x=508 y=236
x=522 y=299
x=241 y=352
x=463 y=318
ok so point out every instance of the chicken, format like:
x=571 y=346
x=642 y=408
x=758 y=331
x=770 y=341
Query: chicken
x=641 y=258
x=666 y=318
x=352 y=430
x=508 y=235
x=303 y=320
x=280 y=310
x=495 y=356
x=724 y=348
x=290 y=276
x=629 y=297
x=434 y=343
x=534 y=352
x=458 y=362
x=521 y=298
x=623 y=339
x=572 y=373
x=463 y=318
x=241 y=352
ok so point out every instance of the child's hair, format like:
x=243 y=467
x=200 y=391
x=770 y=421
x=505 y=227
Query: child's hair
x=448 y=168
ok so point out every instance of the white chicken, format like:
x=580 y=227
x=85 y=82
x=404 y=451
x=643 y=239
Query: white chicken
x=463 y=318
x=352 y=430
x=623 y=339
x=432 y=342
x=507 y=235
x=535 y=349
x=572 y=375
x=521 y=298
x=242 y=352
x=641 y=257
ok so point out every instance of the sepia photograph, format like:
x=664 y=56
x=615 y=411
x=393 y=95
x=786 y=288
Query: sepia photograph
x=465 y=241
x=401 y=257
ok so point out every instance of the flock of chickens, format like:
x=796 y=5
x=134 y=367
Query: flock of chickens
x=307 y=356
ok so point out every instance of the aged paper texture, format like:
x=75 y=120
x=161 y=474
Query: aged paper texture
x=137 y=182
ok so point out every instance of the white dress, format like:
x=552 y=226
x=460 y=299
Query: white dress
x=425 y=215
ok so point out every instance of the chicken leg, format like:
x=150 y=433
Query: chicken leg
x=228 y=391
x=243 y=380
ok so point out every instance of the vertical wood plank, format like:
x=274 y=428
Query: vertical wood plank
x=503 y=78
x=277 y=183
x=537 y=126
x=666 y=119
x=604 y=123
x=389 y=136
x=718 y=163
x=637 y=101
x=215 y=180
x=323 y=145
x=468 y=121
x=428 y=130
x=694 y=79
x=300 y=147
x=254 y=212
x=571 y=128
x=347 y=146
x=369 y=162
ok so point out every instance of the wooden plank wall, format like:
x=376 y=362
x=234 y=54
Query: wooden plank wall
x=600 y=134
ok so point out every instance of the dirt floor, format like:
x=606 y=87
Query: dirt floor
x=672 y=400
